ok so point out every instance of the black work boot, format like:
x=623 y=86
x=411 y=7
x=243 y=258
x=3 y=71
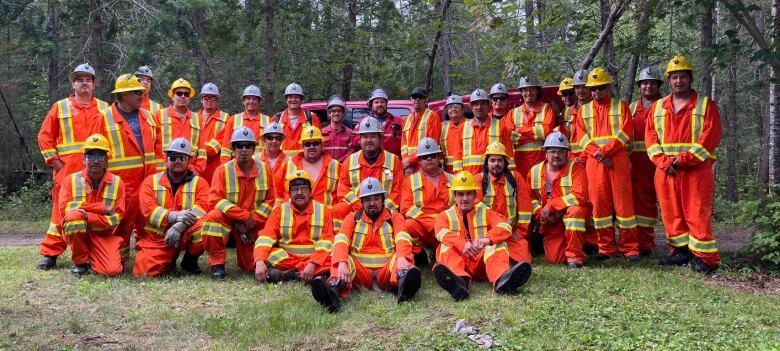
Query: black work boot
x=326 y=293
x=218 y=272
x=680 y=257
x=47 y=262
x=79 y=269
x=645 y=252
x=599 y=256
x=574 y=265
x=409 y=281
x=421 y=259
x=189 y=264
x=698 y=266
x=633 y=258
x=450 y=282
x=514 y=278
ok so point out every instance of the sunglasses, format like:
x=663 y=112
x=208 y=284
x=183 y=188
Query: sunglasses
x=138 y=92
x=95 y=158
x=182 y=94
x=273 y=137
x=176 y=158
x=428 y=156
x=567 y=93
x=239 y=146
x=499 y=98
x=312 y=143
x=598 y=88
x=209 y=98
x=299 y=189
x=418 y=97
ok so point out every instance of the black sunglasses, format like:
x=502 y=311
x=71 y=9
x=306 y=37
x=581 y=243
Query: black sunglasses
x=175 y=158
x=498 y=98
x=138 y=92
x=182 y=94
x=239 y=146
x=273 y=137
x=599 y=88
x=567 y=93
x=428 y=156
x=312 y=143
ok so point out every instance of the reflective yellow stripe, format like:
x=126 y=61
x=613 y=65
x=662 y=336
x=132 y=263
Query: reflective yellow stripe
x=702 y=246
x=697 y=122
x=340 y=238
x=298 y=250
x=78 y=193
x=372 y=261
x=574 y=224
x=73 y=227
x=626 y=222
x=263 y=241
x=412 y=149
x=491 y=250
x=680 y=240
x=602 y=222
x=277 y=256
x=643 y=221
x=470 y=157
x=214 y=229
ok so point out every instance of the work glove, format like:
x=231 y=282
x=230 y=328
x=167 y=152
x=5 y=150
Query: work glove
x=515 y=137
x=189 y=218
x=175 y=216
x=173 y=235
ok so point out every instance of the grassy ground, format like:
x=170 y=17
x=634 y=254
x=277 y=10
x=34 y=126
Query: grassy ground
x=606 y=306
x=24 y=226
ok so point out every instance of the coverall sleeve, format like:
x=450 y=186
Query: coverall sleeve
x=446 y=236
x=218 y=198
x=479 y=194
x=622 y=139
x=343 y=240
x=47 y=136
x=158 y=146
x=200 y=158
x=109 y=221
x=579 y=136
x=407 y=199
x=201 y=198
x=403 y=241
x=538 y=132
x=344 y=190
x=705 y=146
x=324 y=245
x=394 y=197
x=267 y=237
x=578 y=194
x=223 y=137
x=282 y=193
x=653 y=144
x=536 y=202
x=500 y=230
x=262 y=211
x=152 y=212
x=523 y=207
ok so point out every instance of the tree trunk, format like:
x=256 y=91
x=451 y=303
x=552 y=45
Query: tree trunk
x=529 y=24
x=198 y=49
x=731 y=118
x=54 y=54
x=444 y=5
x=705 y=76
x=96 y=37
x=774 y=107
x=542 y=32
x=268 y=100
x=446 y=58
x=250 y=27
x=605 y=8
x=348 y=69
x=642 y=27
x=614 y=16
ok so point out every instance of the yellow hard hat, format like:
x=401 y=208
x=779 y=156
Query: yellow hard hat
x=180 y=83
x=297 y=174
x=678 y=63
x=495 y=148
x=311 y=133
x=597 y=77
x=127 y=82
x=96 y=142
x=566 y=84
x=464 y=181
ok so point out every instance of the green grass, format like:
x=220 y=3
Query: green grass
x=606 y=307
x=24 y=226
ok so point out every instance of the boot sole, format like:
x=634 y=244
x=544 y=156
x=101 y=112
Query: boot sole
x=411 y=283
x=517 y=278
x=324 y=295
x=449 y=282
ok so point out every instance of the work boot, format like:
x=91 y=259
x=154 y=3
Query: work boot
x=514 y=278
x=409 y=281
x=450 y=282
x=79 y=269
x=421 y=259
x=646 y=252
x=218 y=272
x=599 y=256
x=633 y=258
x=47 y=262
x=590 y=249
x=698 y=266
x=326 y=293
x=574 y=265
x=680 y=257
x=189 y=264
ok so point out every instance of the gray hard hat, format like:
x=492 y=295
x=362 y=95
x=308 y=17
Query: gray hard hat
x=81 y=69
x=293 y=89
x=556 y=139
x=209 y=89
x=273 y=128
x=377 y=93
x=580 y=77
x=529 y=82
x=498 y=88
x=479 y=95
x=251 y=90
x=454 y=99
x=371 y=186
x=427 y=146
x=336 y=101
x=243 y=134
x=650 y=73
x=370 y=125
x=144 y=71
x=179 y=146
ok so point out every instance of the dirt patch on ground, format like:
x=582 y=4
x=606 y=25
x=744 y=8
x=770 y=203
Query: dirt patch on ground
x=757 y=283
x=20 y=239
x=728 y=241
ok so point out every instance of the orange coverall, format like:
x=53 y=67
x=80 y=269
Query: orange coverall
x=153 y=258
x=128 y=161
x=325 y=183
x=476 y=138
x=453 y=233
x=451 y=145
x=605 y=126
x=93 y=239
x=371 y=247
x=417 y=127
x=421 y=201
x=514 y=205
x=568 y=194
x=387 y=168
x=62 y=133
x=533 y=125
x=236 y=196
x=292 y=239
x=256 y=123
x=170 y=126
x=291 y=145
x=692 y=135
x=150 y=105
x=642 y=173
x=210 y=129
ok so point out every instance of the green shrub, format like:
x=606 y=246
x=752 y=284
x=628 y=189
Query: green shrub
x=765 y=242
x=32 y=202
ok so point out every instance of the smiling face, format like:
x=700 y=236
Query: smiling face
x=680 y=82
x=273 y=141
x=251 y=104
x=499 y=101
x=300 y=194
x=530 y=95
x=176 y=163
x=244 y=150
x=480 y=109
x=379 y=106
x=455 y=111
x=600 y=92
x=336 y=114
x=465 y=200
x=556 y=157
x=649 y=88
x=209 y=102
x=293 y=101
x=583 y=93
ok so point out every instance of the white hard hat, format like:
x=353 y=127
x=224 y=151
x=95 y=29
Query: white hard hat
x=273 y=128
x=144 y=71
x=370 y=125
x=251 y=90
x=209 y=89
x=377 y=93
x=529 y=82
x=580 y=77
x=427 y=146
x=498 y=88
x=371 y=186
x=650 y=73
x=336 y=101
x=180 y=146
x=81 y=69
x=556 y=139
x=293 y=89
x=479 y=95
x=454 y=99
x=243 y=134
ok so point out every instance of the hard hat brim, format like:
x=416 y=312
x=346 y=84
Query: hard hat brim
x=95 y=147
x=464 y=188
x=124 y=90
x=668 y=72
x=591 y=85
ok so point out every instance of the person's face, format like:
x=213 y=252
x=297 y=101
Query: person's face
x=132 y=99
x=429 y=163
x=649 y=88
x=455 y=111
x=529 y=95
x=465 y=200
x=680 y=82
x=370 y=142
x=300 y=195
x=146 y=81
x=83 y=84
x=181 y=97
x=95 y=161
x=373 y=205
x=177 y=163
x=569 y=97
x=293 y=101
x=496 y=165
x=209 y=102
x=480 y=109
x=419 y=102
x=582 y=92
x=312 y=150
x=379 y=106
x=600 y=92
x=273 y=141
x=336 y=114
x=244 y=150
x=251 y=104
x=556 y=157
x=499 y=101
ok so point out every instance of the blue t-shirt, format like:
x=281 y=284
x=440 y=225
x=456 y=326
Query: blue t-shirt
x=135 y=126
